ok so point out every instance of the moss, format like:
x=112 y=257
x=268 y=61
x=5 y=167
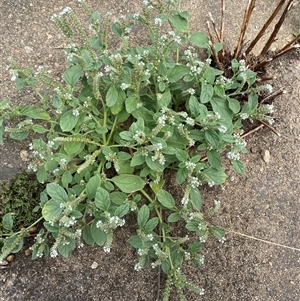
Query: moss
x=20 y=196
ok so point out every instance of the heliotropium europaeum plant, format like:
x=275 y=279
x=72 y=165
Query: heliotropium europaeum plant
x=121 y=120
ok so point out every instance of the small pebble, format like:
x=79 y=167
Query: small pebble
x=94 y=265
x=10 y=258
x=27 y=252
x=266 y=156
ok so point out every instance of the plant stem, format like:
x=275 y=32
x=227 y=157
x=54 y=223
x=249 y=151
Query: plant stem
x=276 y=28
x=263 y=240
x=247 y=16
x=266 y=25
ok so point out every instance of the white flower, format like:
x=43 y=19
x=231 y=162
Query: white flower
x=222 y=128
x=191 y=91
x=124 y=86
x=75 y=112
x=244 y=116
x=158 y=21
x=268 y=88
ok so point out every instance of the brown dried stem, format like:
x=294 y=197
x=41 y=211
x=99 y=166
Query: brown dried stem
x=247 y=16
x=222 y=56
x=276 y=28
x=269 y=127
x=274 y=94
x=266 y=25
x=222 y=22
x=212 y=47
x=290 y=43
x=214 y=26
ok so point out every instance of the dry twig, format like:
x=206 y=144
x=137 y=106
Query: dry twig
x=247 y=16
x=276 y=28
x=264 y=28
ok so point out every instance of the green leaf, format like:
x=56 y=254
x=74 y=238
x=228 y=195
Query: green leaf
x=128 y=183
x=73 y=147
x=196 y=198
x=111 y=96
x=207 y=92
x=98 y=235
x=151 y=224
x=137 y=159
x=122 y=210
x=116 y=29
x=19 y=135
x=42 y=174
x=92 y=185
x=35 y=112
x=102 y=200
x=195 y=247
x=165 y=99
x=174 y=217
x=118 y=197
x=180 y=23
x=66 y=178
x=39 y=129
x=165 y=198
x=181 y=175
x=66 y=247
x=68 y=121
x=212 y=138
x=239 y=166
x=73 y=74
x=136 y=242
x=193 y=104
x=176 y=73
x=87 y=235
x=182 y=155
x=143 y=215
x=165 y=266
x=51 y=210
x=131 y=103
x=217 y=232
x=199 y=39
x=214 y=158
x=57 y=193
x=234 y=105
x=7 y=221
x=218 y=47
x=221 y=106
x=217 y=176
x=154 y=165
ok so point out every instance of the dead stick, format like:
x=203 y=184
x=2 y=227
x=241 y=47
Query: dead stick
x=262 y=63
x=274 y=94
x=266 y=25
x=276 y=28
x=222 y=30
x=213 y=48
x=222 y=22
x=215 y=27
x=269 y=127
x=290 y=43
x=247 y=16
x=252 y=131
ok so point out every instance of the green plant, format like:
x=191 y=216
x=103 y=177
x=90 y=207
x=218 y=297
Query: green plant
x=123 y=119
x=19 y=203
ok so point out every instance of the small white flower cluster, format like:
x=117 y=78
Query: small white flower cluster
x=176 y=38
x=112 y=222
x=158 y=22
x=222 y=128
x=124 y=86
x=233 y=156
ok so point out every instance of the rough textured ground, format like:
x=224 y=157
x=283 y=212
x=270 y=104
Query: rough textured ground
x=263 y=203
